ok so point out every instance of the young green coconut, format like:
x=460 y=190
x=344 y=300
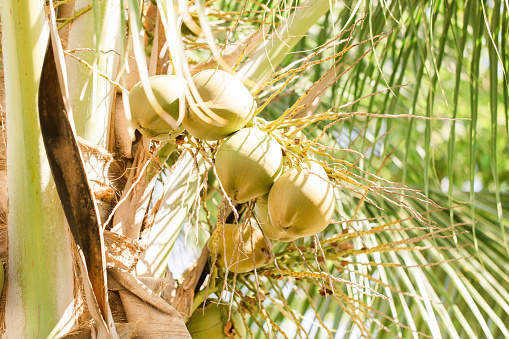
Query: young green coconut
x=167 y=89
x=214 y=323
x=261 y=212
x=301 y=202
x=238 y=246
x=248 y=163
x=224 y=95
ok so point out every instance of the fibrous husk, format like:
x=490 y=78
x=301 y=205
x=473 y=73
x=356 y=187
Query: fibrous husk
x=167 y=90
x=301 y=202
x=238 y=245
x=106 y=176
x=215 y=323
x=121 y=252
x=247 y=164
x=224 y=95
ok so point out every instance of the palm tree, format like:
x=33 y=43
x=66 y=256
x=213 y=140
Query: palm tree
x=406 y=101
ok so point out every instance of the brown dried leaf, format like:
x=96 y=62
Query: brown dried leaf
x=142 y=306
x=71 y=181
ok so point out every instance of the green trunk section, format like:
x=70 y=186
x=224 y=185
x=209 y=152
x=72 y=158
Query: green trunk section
x=90 y=93
x=40 y=277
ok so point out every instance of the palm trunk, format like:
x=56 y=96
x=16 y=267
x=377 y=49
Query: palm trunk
x=40 y=278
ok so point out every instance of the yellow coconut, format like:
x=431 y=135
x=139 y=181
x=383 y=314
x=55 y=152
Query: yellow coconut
x=247 y=164
x=238 y=246
x=224 y=95
x=167 y=89
x=301 y=202
x=261 y=212
x=214 y=323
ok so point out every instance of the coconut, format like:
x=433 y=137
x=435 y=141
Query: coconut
x=224 y=95
x=261 y=212
x=247 y=164
x=301 y=202
x=241 y=242
x=215 y=324
x=167 y=90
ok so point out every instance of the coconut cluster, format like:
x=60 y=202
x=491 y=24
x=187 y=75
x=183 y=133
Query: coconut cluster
x=290 y=204
x=213 y=91
x=249 y=162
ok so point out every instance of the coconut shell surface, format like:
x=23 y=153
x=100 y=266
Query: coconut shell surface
x=224 y=95
x=261 y=212
x=215 y=323
x=301 y=202
x=248 y=163
x=237 y=247
x=167 y=89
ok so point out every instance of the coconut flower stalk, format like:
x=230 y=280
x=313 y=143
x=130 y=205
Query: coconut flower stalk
x=40 y=279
